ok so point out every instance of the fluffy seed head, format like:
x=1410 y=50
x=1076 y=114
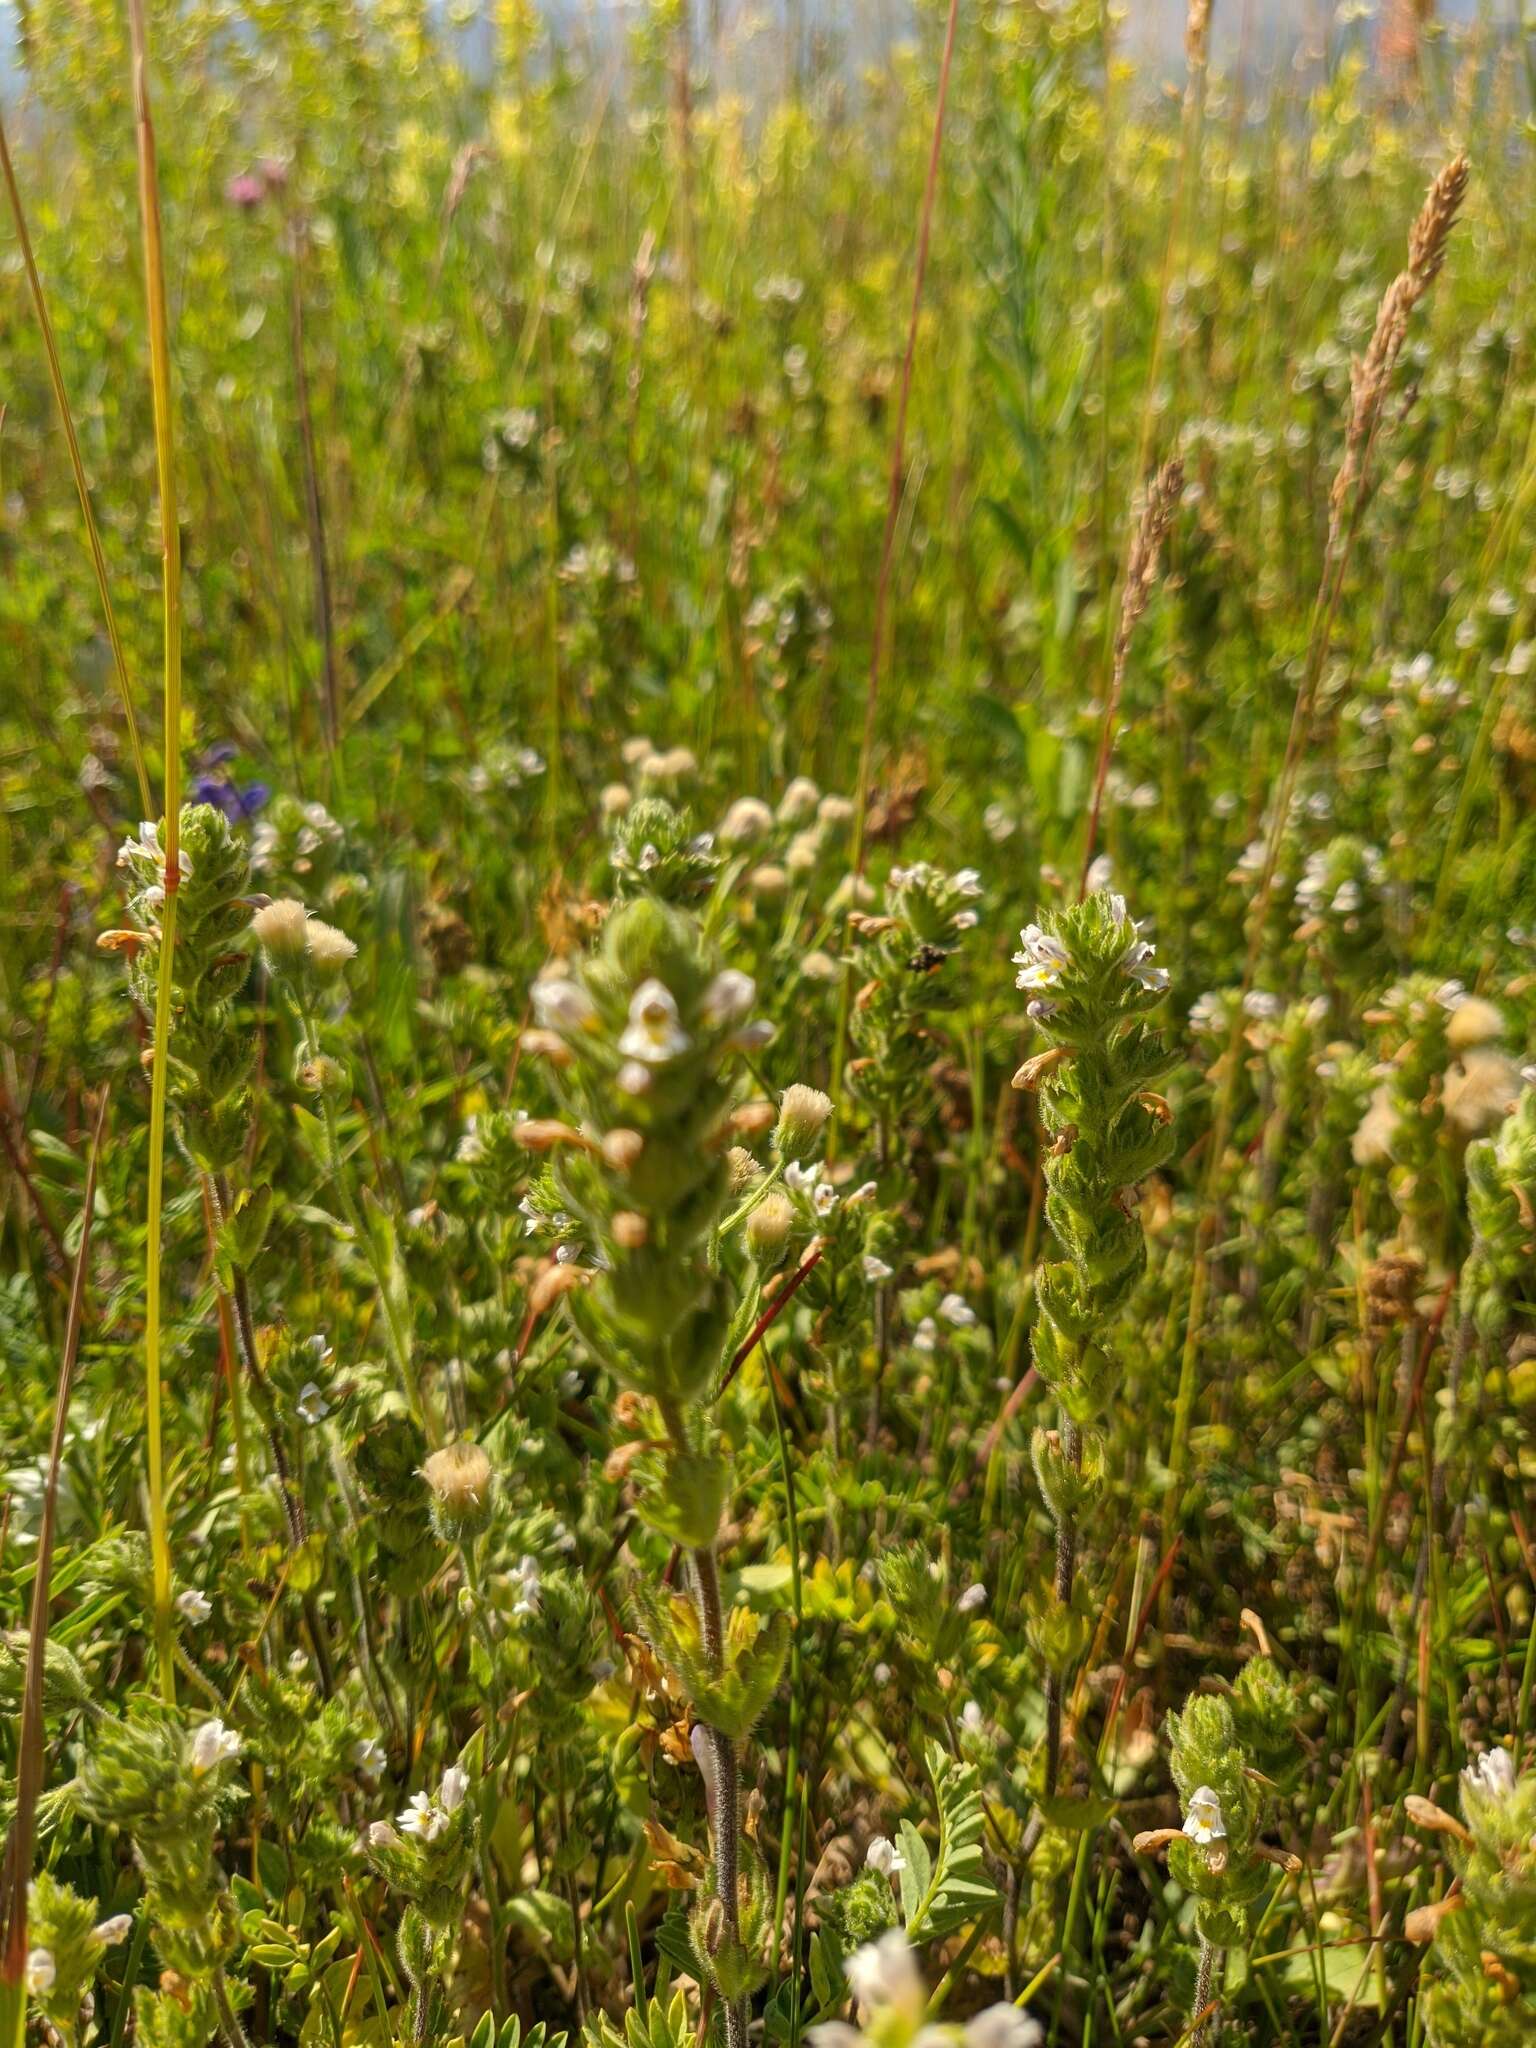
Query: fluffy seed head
x=280 y=929
x=460 y=1479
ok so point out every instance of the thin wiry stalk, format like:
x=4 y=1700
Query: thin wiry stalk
x=30 y=1742
x=1370 y=382
x=77 y=464
x=170 y=549
x=1192 y=121
x=314 y=505
x=893 y=508
x=1146 y=546
x=1199 y=2033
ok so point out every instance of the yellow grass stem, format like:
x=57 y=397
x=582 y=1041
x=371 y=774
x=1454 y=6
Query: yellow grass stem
x=170 y=550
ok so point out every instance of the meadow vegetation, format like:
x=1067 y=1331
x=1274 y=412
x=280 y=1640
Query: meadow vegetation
x=767 y=1146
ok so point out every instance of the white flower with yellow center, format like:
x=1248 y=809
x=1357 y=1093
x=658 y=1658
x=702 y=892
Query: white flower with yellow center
x=1203 y=1822
x=213 y=1744
x=654 y=1033
x=423 y=1818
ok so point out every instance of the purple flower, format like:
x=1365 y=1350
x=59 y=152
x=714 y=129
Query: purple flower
x=237 y=804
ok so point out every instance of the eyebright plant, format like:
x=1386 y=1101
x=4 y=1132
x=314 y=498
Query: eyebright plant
x=640 y=1165
x=1480 y=1972
x=1216 y=1855
x=1090 y=979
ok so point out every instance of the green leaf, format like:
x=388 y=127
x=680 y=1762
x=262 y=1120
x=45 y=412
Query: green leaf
x=917 y=1873
x=957 y=1889
x=765 y=1578
x=1078 y=1814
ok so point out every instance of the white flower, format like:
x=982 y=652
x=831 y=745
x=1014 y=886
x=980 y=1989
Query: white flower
x=382 y=1836
x=41 y=1972
x=967 y=882
x=884 y=1856
x=633 y=1078
x=194 y=1606
x=883 y=1975
x=1035 y=974
x=654 y=1033
x=423 y=1818
x=368 y=1758
x=728 y=997
x=530 y=1582
x=824 y=1197
x=451 y=1792
x=801 y=1178
x=110 y=1932
x=972 y=1719
x=834 y=2034
x=560 y=1004
x=1003 y=2026
x=925 y=1336
x=956 y=1310
x=213 y=1744
x=1137 y=963
x=1042 y=946
x=147 y=856
x=874 y=1269
x=972 y=1600
x=762 y=1031
x=1492 y=1776
x=1261 y=1005
x=312 y=1404
x=1098 y=874
x=1207 y=1012
x=1203 y=1822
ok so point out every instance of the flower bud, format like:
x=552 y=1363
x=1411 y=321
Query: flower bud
x=742 y=1168
x=460 y=1479
x=769 y=1225
x=803 y=1114
x=324 y=1076
x=622 y=1148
